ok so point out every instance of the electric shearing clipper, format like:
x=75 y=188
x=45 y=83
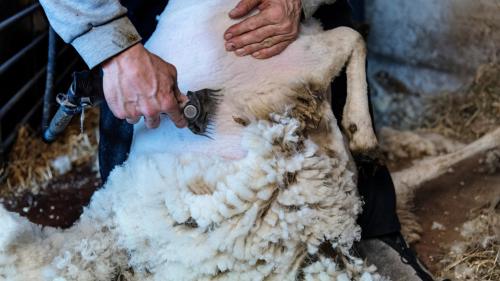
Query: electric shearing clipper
x=200 y=109
x=86 y=91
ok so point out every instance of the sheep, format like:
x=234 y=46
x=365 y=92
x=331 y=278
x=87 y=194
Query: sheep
x=253 y=202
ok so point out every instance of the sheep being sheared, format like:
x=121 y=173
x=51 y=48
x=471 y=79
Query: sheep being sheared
x=253 y=203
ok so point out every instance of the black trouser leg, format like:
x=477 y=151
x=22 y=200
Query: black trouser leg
x=376 y=188
x=375 y=185
x=115 y=138
x=115 y=134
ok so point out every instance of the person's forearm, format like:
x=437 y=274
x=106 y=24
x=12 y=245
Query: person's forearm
x=98 y=29
x=310 y=6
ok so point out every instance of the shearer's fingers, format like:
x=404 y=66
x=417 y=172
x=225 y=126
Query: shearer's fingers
x=133 y=121
x=132 y=114
x=255 y=36
x=113 y=99
x=131 y=108
x=244 y=7
x=181 y=99
x=266 y=43
x=176 y=116
x=271 y=51
x=171 y=105
x=249 y=24
x=150 y=109
x=152 y=122
x=116 y=106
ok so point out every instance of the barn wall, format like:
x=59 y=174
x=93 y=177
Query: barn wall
x=430 y=46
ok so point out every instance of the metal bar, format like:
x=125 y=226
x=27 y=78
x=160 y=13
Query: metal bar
x=48 y=96
x=21 y=53
x=1 y=147
x=3 y=160
x=2 y=157
x=66 y=71
x=8 y=106
x=10 y=139
x=21 y=92
x=5 y=23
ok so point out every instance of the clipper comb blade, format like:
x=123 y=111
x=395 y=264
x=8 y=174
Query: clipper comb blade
x=201 y=109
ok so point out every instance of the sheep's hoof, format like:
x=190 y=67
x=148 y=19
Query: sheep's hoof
x=371 y=156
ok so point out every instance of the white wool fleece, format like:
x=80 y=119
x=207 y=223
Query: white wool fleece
x=171 y=217
x=244 y=211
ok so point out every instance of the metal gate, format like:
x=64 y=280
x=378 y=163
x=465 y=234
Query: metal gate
x=25 y=103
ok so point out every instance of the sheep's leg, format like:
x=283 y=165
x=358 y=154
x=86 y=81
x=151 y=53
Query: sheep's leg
x=339 y=47
x=357 y=123
x=426 y=170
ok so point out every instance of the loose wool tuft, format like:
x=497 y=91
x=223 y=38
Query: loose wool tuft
x=255 y=202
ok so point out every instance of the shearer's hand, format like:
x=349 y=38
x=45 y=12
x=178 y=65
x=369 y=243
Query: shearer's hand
x=138 y=83
x=266 y=33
